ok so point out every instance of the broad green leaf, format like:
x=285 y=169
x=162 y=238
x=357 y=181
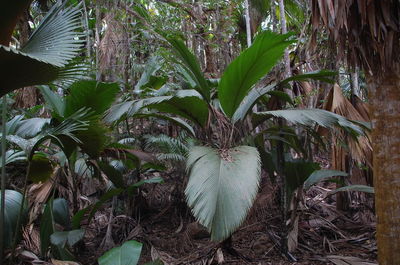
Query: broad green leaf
x=249 y=101
x=113 y=174
x=249 y=67
x=93 y=95
x=309 y=117
x=94 y=139
x=153 y=65
x=46 y=227
x=222 y=186
x=61 y=212
x=155 y=180
x=296 y=172
x=40 y=168
x=322 y=75
x=131 y=108
x=61 y=239
x=117 y=111
x=191 y=66
x=13 y=124
x=82 y=169
x=191 y=108
x=13 y=203
x=53 y=101
x=320 y=175
x=360 y=188
x=127 y=254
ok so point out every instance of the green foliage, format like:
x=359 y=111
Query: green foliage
x=40 y=168
x=13 y=203
x=222 y=186
x=46 y=55
x=249 y=67
x=168 y=148
x=310 y=117
x=13 y=156
x=153 y=65
x=360 y=188
x=189 y=107
x=191 y=66
x=61 y=212
x=127 y=254
x=322 y=75
x=321 y=175
x=296 y=172
x=248 y=102
x=92 y=209
x=47 y=229
x=113 y=174
x=70 y=238
x=93 y=95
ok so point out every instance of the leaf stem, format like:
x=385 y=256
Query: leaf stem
x=3 y=177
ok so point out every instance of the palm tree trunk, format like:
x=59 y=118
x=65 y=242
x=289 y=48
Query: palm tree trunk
x=384 y=95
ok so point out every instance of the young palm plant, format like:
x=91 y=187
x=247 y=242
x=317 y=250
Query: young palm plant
x=224 y=172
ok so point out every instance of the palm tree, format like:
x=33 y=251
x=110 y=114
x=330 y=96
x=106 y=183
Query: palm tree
x=367 y=34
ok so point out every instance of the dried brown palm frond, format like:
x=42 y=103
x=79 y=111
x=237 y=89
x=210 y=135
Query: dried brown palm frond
x=360 y=149
x=367 y=33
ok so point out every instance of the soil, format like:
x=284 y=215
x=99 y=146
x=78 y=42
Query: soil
x=169 y=232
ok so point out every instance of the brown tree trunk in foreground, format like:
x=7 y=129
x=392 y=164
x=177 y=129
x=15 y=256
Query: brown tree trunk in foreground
x=384 y=95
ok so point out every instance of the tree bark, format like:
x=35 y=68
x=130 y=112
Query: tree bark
x=384 y=95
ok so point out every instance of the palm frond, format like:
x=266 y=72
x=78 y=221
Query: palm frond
x=310 y=117
x=47 y=54
x=56 y=40
x=13 y=156
x=168 y=148
x=222 y=186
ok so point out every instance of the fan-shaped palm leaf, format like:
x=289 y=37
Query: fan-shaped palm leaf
x=46 y=55
x=13 y=156
x=222 y=186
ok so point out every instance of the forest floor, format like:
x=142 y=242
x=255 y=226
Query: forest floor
x=161 y=221
x=169 y=232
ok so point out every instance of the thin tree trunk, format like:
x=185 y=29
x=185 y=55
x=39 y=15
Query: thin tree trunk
x=384 y=95
x=284 y=31
x=248 y=26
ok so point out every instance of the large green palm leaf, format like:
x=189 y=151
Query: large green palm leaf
x=46 y=55
x=310 y=117
x=222 y=186
x=251 y=65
